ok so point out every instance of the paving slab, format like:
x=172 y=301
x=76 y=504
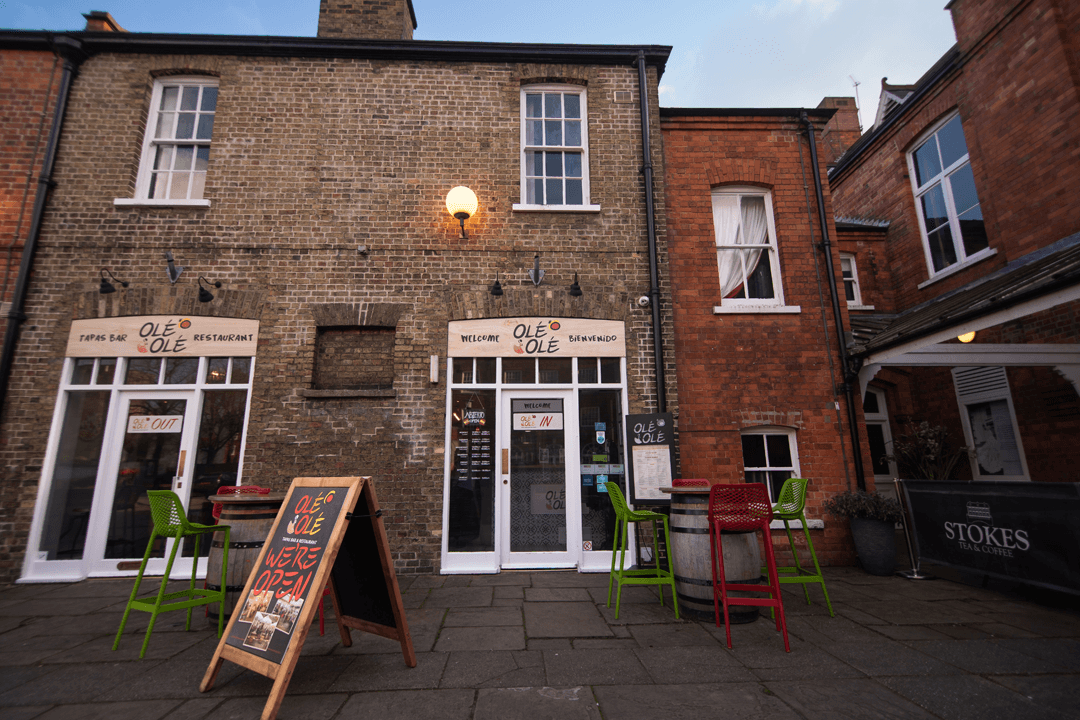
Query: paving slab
x=640 y=613
x=1057 y=692
x=448 y=704
x=846 y=698
x=77 y=683
x=570 y=579
x=459 y=597
x=180 y=681
x=144 y=710
x=478 y=617
x=546 y=594
x=564 y=620
x=293 y=707
x=969 y=697
x=312 y=675
x=593 y=667
x=680 y=635
x=528 y=703
x=731 y=701
x=824 y=630
x=455 y=639
x=677 y=665
x=888 y=657
x=191 y=709
x=507 y=579
x=489 y=669
x=1064 y=652
x=984 y=656
x=509 y=592
x=389 y=672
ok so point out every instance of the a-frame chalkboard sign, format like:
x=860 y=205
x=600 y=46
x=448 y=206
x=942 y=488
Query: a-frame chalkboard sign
x=329 y=530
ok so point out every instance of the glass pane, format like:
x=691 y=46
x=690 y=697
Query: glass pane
x=870 y=403
x=574 y=192
x=184 y=155
x=217 y=370
x=241 y=370
x=572 y=105
x=209 y=99
x=163 y=157
x=534 y=105
x=759 y=284
x=573 y=132
x=951 y=141
x=471 y=526
x=776 y=482
x=933 y=206
x=610 y=370
x=573 y=164
x=962 y=184
x=779 y=450
x=553 y=164
x=168 y=98
x=206 y=127
x=142 y=371
x=753 y=451
x=942 y=251
x=185 y=125
x=178 y=188
x=534 y=194
x=519 y=370
x=63 y=532
x=189 y=99
x=973 y=231
x=875 y=436
x=83 y=371
x=217 y=457
x=553 y=132
x=534 y=132
x=849 y=291
x=556 y=370
x=553 y=105
x=485 y=370
x=994 y=437
x=462 y=370
x=601 y=461
x=164 y=129
x=927 y=164
x=158 y=182
x=106 y=371
x=534 y=165
x=181 y=371
x=148 y=461
x=586 y=370
x=537 y=491
x=198 y=185
x=554 y=192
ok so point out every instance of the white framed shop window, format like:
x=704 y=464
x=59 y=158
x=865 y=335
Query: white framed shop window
x=989 y=420
x=176 y=145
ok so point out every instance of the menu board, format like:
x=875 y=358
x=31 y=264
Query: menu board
x=473 y=458
x=652 y=456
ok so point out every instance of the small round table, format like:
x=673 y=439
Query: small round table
x=250 y=517
x=691 y=556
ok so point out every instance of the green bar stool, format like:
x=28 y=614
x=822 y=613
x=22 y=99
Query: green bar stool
x=170 y=521
x=790 y=507
x=656 y=576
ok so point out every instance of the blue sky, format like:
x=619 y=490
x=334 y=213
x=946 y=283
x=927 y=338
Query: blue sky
x=727 y=53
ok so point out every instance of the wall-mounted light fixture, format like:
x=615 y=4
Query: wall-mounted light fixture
x=106 y=286
x=536 y=274
x=966 y=337
x=575 y=289
x=204 y=294
x=462 y=204
x=496 y=288
x=173 y=270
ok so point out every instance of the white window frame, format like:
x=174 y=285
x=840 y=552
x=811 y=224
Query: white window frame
x=796 y=471
x=151 y=144
x=774 y=304
x=850 y=274
x=979 y=386
x=881 y=419
x=943 y=178
x=586 y=204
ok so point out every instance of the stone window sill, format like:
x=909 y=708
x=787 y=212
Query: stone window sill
x=758 y=309
x=342 y=394
x=129 y=202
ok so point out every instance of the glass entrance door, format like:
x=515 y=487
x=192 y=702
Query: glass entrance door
x=155 y=453
x=539 y=433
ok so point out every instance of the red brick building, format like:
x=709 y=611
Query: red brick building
x=758 y=358
x=959 y=214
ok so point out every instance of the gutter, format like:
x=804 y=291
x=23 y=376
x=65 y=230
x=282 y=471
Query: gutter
x=826 y=246
x=650 y=218
x=71 y=53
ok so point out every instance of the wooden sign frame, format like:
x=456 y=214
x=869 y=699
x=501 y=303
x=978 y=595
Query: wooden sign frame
x=361 y=535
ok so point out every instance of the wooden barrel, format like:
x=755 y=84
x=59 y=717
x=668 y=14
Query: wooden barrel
x=692 y=559
x=249 y=518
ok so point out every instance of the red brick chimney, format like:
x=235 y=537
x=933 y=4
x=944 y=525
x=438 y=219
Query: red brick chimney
x=842 y=130
x=101 y=21
x=367 y=19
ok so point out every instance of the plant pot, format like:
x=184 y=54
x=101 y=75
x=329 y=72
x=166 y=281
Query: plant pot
x=875 y=543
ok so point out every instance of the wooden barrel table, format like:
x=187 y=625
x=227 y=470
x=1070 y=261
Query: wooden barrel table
x=249 y=517
x=691 y=557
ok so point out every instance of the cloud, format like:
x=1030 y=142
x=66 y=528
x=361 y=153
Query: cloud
x=824 y=8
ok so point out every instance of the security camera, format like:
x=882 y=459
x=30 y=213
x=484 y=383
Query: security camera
x=643 y=301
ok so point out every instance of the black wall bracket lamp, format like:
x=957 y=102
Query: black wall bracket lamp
x=173 y=270
x=496 y=288
x=461 y=202
x=536 y=274
x=575 y=289
x=204 y=294
x=106 y=286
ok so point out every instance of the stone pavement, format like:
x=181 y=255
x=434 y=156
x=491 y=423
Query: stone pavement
x=543 y=645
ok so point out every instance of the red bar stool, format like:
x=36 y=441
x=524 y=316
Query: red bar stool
x=743 y=508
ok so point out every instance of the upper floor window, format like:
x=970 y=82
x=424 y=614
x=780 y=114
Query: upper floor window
x=948 y=206
x=554 y=149
x=746 y=252
x=770 y=457
x=176 y=148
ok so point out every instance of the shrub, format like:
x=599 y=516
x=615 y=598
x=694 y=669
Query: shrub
x=926 y=453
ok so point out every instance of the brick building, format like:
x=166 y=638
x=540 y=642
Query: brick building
x=358 y=328
x=958 y=214
x=759 y=362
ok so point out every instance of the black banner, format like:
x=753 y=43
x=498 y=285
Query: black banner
x=1021 y=531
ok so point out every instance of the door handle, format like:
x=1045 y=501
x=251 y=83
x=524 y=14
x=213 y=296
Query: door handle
x=178 y=482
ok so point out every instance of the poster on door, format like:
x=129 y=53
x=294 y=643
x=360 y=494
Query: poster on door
x=155 y=424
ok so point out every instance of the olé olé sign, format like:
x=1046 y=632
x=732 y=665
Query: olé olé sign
x=163 y=336
x=536 y=337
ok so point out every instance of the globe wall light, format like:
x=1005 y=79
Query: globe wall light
x=462 y=204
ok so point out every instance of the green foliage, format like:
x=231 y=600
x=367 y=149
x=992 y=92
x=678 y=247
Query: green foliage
x=926 y=453
x=861 y=504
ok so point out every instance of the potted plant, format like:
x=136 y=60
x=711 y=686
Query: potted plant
x=872 y=519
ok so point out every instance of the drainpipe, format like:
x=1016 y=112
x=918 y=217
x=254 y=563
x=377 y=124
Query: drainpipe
x=71 y=53
x=654 y=279
x=826 y=246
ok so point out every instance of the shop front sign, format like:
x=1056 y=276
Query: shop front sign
x=163 y=336
x=537 y=337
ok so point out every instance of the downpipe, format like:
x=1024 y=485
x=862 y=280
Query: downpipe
x=650 y=219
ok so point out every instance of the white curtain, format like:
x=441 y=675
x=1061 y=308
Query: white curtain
x=737 y=226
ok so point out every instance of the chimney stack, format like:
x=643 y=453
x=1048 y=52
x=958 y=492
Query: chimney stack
x=101 y=21
x=367 y=19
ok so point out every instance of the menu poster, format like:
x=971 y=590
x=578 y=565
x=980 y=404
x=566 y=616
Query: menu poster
x=651 y=439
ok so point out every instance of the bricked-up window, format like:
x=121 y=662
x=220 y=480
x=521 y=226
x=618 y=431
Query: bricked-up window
x=746 y=253
x=354 y=358
x=950 y=217
x=176 y=147
x=554 y=148
x=770 y=457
